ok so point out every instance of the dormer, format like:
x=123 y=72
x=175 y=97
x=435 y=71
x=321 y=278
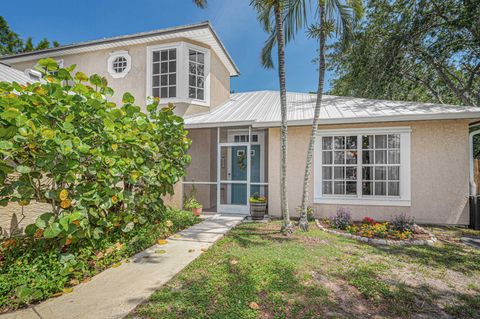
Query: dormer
x=186 y=65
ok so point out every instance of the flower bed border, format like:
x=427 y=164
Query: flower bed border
x=382 y=241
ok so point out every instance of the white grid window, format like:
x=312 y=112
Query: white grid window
x=164 y=73
x=339 y=165
x=196 y=75
x=119 y=64
x=381 y=165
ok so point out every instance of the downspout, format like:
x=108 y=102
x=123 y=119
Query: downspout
x=473 y=185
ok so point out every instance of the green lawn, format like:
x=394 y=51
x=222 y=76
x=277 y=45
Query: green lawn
x=255 y=272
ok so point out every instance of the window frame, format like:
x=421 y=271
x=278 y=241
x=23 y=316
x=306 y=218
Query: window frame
x=182 y=72
x=404 y=197
x=113 y=56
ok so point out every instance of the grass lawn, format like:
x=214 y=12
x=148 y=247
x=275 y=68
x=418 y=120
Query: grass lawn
x=255 y=272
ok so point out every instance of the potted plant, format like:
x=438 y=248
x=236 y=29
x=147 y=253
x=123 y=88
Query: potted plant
x=191 y=203
x=258 y=206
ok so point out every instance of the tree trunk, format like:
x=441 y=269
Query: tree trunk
x=303 y=222
x=287 y=225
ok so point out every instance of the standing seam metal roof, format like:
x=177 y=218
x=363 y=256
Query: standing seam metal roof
x=262 y=108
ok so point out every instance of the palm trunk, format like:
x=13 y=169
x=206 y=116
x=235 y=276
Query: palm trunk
x=286 y=227
x=303 y=222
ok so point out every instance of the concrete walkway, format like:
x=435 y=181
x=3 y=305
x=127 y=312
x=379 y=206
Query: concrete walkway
x=117 y=291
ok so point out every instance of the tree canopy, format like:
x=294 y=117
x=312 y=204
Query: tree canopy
x=11 y=42
x=415 y=50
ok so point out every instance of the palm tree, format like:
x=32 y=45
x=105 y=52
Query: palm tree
x=271 y=14
x=200 y=3
x=335 y=17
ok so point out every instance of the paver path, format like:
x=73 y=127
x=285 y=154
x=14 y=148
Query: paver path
x=116 y=291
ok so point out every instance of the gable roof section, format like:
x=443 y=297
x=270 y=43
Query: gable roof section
x=9 y=74
x=201 y=32
x=262 y=109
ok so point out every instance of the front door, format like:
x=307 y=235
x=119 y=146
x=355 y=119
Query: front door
x=238 y=164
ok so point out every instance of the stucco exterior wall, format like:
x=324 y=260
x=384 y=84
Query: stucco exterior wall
x=135 y=81
x=439 y=173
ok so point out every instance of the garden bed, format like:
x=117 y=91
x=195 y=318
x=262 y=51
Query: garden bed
x=32 y=270
x=401 y=230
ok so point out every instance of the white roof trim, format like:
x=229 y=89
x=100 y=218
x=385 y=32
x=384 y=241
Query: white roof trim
x=201 y=32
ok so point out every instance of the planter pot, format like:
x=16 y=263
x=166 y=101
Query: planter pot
x=197 y=211
x=258 y=210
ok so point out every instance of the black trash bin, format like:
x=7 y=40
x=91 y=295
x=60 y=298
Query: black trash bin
x=475 y=212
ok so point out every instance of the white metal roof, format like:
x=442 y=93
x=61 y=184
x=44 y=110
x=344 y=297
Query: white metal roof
x=9 y=74
x=202 y=32
x=262 y=109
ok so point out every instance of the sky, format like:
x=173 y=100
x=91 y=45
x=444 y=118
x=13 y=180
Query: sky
x=234 y=21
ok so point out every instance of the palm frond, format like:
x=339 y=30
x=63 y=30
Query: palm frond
x=266 y=56
x=200 y=3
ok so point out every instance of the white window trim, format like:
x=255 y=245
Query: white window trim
x=182 y=73
x=112 y=58
x=405 y=170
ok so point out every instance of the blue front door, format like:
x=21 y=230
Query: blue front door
x=239 y=172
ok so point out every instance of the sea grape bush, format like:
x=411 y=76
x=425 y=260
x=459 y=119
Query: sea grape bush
x=100 y=166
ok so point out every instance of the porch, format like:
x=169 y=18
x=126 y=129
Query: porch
x=229 y=164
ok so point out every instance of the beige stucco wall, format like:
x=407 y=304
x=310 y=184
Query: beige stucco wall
x=439 y=173
x=135 y=81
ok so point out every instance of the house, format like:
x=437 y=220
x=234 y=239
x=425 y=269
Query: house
x=376 y=158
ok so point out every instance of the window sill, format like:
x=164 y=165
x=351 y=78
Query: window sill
x=181 y=100
x=362 y=201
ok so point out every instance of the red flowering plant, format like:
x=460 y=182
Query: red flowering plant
x=368 y=220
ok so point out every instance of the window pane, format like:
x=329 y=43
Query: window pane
x=351 y=173
x=380 y=141
x=164 y=67
x=155 y=81
x=191 y=93
x=172 y=66
x=339 y=172
x=367 y=157
x=200 y=57
x=172 y=79
x=380 y=157
x=327 y=157
x=164 y=55
x=164 y=92
x=351 y=142
x=380 y=188
x=339 y=187
x=367 y=188
x=200 y=82
x=156 y=92
x=380 y=173
x=164 y=80
x=327 y=188
x=192 y=55
x=327 y=172
x=394 y=141
x=367 y=142
x=192 y=80
x=393 y=189
x=367 y=173
x=339 y=157
x=172 y=91
x=327 y=143
x=394 y=173
x=156 y=68
x=156 y=56
x=351 y=157
x=200 y=95
x=351 y=188
x=393 y=157
x=200 y=69
x=339 y=142
x=172 y=54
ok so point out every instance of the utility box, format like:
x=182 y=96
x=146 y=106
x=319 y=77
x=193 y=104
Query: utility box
x=474 y=212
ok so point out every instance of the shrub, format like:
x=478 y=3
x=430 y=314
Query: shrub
x=352 y=229
x=101 y=167
x=402 y=223
x=379 y=230
x=342 y=219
